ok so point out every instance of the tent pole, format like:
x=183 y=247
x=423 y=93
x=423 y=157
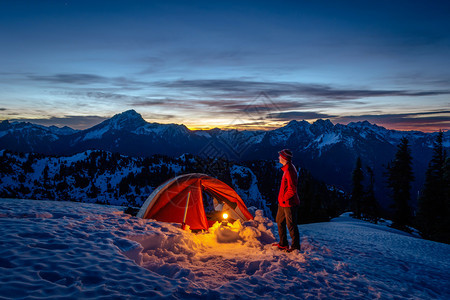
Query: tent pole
x=183 y=225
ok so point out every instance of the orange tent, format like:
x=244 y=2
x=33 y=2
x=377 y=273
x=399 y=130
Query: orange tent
x=168 y=202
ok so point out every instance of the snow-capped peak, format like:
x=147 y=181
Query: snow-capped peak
x=366 y=125
x=322 y=126
x=127 y=119
x=62 y=130
x=171 y=130
x=298 y=125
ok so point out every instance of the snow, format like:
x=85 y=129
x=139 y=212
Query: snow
x=158 y=129
x=96 y=134
x=58 y=130
x=104 y=185
x=79 y=250
x=349 y=141
x=323 y=141
x=328 y=139
x=29 y=129
x=129 y=118
x=251 y=195
x=161 y=129
x=202 y=133
x=280 y=136
x=240 y=140
x=187 y=157
x=258 y=138
x=63 y=130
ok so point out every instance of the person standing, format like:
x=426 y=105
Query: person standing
x=288 y=202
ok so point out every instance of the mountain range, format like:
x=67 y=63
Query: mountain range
x=329 y=151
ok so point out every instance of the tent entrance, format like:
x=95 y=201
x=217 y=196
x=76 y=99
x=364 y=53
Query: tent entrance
x=216 y=205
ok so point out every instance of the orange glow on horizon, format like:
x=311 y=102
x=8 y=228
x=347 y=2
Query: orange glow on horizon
x=399 y=127
x=406 y=126
x=252 y=127
x=240 y=128
x=415 y=127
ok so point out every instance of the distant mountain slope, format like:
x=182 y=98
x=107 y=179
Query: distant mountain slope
x=108 y=178
x=329 y=151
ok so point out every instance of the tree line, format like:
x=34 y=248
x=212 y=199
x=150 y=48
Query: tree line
x=111 y=178
x=432 y=216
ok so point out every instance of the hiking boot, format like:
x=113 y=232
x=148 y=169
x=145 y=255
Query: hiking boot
x=280 y=247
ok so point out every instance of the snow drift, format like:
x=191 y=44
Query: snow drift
x=75 y=250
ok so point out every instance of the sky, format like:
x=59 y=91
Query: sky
x=227 y=64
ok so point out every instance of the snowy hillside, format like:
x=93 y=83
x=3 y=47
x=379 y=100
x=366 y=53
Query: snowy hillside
x=245 y=184
x=107 y=178
x=329 y=151
x=115 y=134
x=74 y=250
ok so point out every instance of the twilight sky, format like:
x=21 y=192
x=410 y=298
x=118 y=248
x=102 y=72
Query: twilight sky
x=244 y=64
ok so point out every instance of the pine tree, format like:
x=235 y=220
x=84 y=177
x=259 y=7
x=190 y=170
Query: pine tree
x=400 y=176
x=370 y=208
x=433 y=203
x=358 y=188
x=446 y=225
x=447 y=182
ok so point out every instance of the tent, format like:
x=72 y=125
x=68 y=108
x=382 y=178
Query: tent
x=167 y=203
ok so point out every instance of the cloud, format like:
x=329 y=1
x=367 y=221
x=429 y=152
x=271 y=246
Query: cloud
x=75 y=122
x=256 y=125
x=155 y=116
x=254 y=105
x=277 y=89
x=419 y=78
x=162 y=102
x=443 y=115
x=249 y=100
x=113 y=97
x=298 y=115
x=258 y=107
x=425 y=121
x=188 y=58
x=80 y=79
x=86 y=79
x=239 y=89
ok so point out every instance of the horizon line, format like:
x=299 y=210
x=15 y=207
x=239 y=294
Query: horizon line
x=238 y=127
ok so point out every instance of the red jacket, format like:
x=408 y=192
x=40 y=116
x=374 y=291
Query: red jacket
x=288 y=196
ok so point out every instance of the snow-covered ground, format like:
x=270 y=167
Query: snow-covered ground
x=78 y=250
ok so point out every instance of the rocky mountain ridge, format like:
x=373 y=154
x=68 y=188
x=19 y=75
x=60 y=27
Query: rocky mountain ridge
x=328 y=150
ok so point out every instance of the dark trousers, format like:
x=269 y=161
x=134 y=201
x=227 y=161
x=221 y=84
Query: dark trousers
x=287 y=216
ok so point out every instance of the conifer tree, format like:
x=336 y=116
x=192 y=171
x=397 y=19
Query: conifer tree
x=370 y=205
x=447 y=182
x=400 y=176
x=446 y=225
x=358 y=188
x=433 y=203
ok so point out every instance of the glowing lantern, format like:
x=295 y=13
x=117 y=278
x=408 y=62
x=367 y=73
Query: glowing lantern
x=225 y=217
